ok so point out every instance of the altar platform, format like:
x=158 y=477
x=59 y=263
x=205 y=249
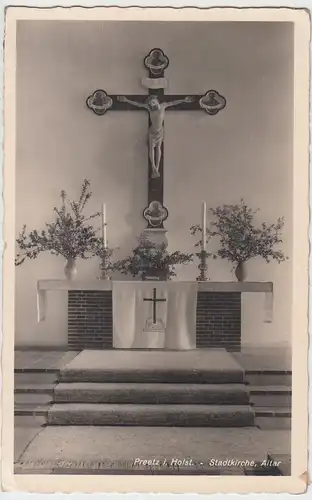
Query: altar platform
x=198 y=365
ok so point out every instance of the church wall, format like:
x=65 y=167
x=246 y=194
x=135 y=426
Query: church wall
x=244 y=151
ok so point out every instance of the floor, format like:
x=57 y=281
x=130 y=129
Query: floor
x=51 y=448
x=127 y=447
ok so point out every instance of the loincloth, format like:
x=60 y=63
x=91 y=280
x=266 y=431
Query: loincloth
x=156 y=138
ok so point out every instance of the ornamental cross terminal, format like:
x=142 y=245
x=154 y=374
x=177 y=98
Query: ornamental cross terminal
x=156 y=103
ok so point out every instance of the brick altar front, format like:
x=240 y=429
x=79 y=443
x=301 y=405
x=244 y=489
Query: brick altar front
x=90 y=312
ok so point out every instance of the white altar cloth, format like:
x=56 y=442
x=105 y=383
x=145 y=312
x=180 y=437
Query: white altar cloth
x=134 y=324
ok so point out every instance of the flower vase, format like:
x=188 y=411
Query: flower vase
x=240 y=271
x=70 y=269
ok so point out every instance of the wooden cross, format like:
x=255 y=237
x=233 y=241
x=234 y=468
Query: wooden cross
x=157 y=103
x=154 y=300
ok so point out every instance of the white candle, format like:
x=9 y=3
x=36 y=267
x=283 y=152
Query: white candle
x=204 y=225
x=104 y=234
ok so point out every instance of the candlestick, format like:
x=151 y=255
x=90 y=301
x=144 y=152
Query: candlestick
x=204 y=224
x=104 y=266
x=203 y=266
x=104 y=232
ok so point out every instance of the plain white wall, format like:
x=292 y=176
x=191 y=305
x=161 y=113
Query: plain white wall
x=244 y=151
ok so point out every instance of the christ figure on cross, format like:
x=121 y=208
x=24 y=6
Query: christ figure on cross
x=156 y=110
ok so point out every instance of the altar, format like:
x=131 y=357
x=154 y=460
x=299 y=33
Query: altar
x=177 y=315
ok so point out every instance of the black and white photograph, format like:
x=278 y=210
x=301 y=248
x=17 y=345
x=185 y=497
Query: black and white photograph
x=155 y=243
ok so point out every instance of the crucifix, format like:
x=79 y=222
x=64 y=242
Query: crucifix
x=154 y=299
x=156 y=104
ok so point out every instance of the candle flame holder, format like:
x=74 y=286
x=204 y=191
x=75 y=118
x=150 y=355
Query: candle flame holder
x=203 y=266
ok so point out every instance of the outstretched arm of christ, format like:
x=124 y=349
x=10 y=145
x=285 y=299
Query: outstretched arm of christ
x=178 y=101
x=122 y=98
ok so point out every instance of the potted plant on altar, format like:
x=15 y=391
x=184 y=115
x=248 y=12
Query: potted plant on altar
x=241 y=238
x=70 y=234
x=151 y=261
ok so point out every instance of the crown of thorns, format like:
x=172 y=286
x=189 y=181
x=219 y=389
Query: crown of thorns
x=152 y=98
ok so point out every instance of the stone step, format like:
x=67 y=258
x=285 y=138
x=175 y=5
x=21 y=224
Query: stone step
x=151 y=415
x=32 y=399
x=270 y=389
x=146 y=366
x=31 y=410
x=267 y=411
x=162 y=376
x=21 y=388
x=155 y=393
x=271 y=396
x=271 y=400
x=29 y=421
x=266 y=378
x=38 y=360
x=35 y=378
x=36 y=370
x=269 y=423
